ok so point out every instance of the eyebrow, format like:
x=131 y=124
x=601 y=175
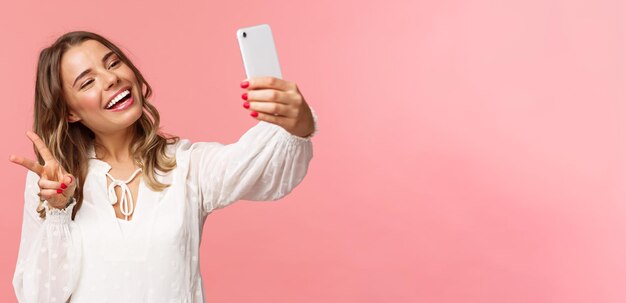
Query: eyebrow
x=84 y=73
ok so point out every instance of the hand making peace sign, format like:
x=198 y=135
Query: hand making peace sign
x=279 y=102
x=55 y=184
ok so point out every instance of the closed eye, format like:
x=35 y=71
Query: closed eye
x=115 y=63
x=86 y=83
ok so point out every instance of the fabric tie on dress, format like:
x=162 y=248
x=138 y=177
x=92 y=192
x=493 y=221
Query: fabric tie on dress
x=126 y=200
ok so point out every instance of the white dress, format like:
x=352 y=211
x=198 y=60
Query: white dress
x=154 y=257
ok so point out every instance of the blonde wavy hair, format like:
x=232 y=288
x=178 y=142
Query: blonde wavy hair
x=69 y=143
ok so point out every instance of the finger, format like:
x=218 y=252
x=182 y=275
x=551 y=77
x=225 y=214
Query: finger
x=49 y=184
x=52 y=170
x=69 y=180
x=48 y=194
x=41 y=146
x=268 y=95
x=272 y=108
x=60 y=172
x=278 y=120
x=28 y=163
x=269 y=82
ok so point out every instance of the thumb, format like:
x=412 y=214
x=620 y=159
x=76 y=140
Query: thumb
x=70 y=181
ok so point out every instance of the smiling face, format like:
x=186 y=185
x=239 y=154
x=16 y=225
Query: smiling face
x=93 y=76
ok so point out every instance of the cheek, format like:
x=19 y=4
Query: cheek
x=131 y=76
x=87 y=102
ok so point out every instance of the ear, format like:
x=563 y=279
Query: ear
x=72 y=117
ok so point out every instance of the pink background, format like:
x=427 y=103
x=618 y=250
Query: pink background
x=469 y=151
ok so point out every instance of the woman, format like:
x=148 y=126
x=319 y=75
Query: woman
x=114 y=209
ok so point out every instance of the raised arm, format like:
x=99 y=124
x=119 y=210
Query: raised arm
x=48 y=262
x=50 y=249
x=269 y=160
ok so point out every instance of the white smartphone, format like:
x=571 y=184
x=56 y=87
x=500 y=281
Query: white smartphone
x=258 y=51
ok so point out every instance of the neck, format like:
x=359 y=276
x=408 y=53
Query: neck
x=115 y=147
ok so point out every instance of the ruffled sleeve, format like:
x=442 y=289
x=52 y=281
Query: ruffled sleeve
x=266 y=163
x=50 y=251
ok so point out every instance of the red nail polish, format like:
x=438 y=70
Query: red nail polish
x=245 y=84
x=244 y=96
x=254 y=114
x=63 y=186
x=59 y=191
x=246 y=104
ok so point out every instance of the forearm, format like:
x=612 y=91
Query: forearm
x=49 y=259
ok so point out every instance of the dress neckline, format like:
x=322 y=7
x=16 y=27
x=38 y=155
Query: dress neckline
x=102 y=167
x=127 y=203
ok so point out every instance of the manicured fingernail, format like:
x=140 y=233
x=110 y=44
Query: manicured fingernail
x=59 y=191
x=63 y=186
x=246 y=104
x=245 y=84
x=244 y=96
x=254 y=114
x=71 y=179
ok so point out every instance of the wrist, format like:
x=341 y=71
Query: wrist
x=56 y=216
x=48 y=205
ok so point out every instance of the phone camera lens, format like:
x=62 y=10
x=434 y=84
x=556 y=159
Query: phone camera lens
x=244 y=34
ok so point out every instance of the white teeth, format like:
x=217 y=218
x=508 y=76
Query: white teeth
x=118 y=98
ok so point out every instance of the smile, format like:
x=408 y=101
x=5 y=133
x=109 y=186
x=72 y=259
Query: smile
x=118 y=98
x=121 y=102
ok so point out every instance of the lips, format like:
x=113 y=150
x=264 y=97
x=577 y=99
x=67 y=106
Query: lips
x=117 y=93
x=122 y=105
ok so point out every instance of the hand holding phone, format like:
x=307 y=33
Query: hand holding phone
x=268 y=97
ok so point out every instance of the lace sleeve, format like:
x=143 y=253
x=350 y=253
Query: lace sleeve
x=266 y=163
x=50 y=251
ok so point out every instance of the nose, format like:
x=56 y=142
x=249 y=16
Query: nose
x=111 y=79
